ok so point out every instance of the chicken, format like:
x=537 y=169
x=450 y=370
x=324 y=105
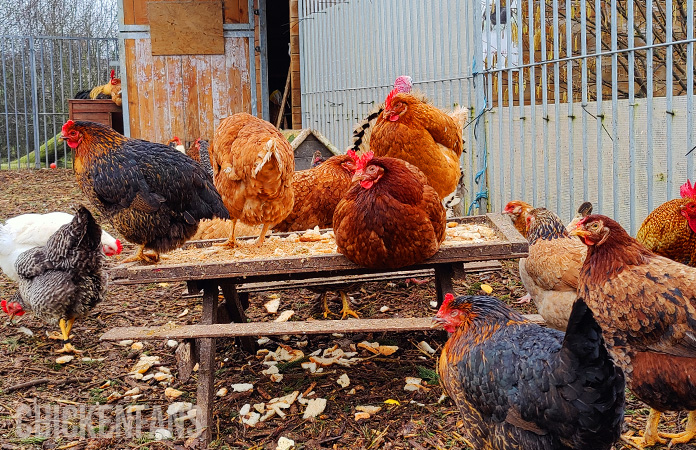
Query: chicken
x=253 y=165
x=522 y=386
x=220 y=228
x=62 y=281
x=518 y=212
x=176 y=144
x=199 y=152
x=646 y=306
x=111 y=90
x=584 y=210
x=363 y=130
x=670 y=230
x=391 y=218
x=422 y=135
x=550 y=273
x=317 y=192
x=154 y=196
x=317 y=159
x=21 y=233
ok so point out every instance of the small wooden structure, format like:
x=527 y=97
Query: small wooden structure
x=228 y=276
x=101 y=111
x=305 y=143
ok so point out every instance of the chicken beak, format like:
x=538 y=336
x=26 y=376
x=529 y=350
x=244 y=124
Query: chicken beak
x=579 y=232
x=438 y=322
x=357 y=176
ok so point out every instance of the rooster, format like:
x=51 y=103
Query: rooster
x=62 y=281
x=391 y=218
x=154 y=196
x=646 y=306
x=111 y=90
x=550 y=272
x=670 y=230
x=21 y=233
x=422 y=135
x=317 y=192
x=253 y=165
x=522 y=386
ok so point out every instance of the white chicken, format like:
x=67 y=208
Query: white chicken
x=21 y=233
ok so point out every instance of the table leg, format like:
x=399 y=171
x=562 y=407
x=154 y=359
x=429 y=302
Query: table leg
x=206 y=361
x=443 y=281
x=236 y=312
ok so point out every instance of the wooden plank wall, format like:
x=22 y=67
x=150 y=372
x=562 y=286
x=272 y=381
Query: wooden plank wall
x=135 y=11
x=185 y=95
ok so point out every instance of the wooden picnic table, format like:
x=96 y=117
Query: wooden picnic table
x=227 y=276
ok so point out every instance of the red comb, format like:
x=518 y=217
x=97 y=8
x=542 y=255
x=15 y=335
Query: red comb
x=119 y=247
x=113 y=73
x=687 y=190
x=448 y=298
x=364 y=159
x=352 y=155
x=387 y=102
x=67 y=125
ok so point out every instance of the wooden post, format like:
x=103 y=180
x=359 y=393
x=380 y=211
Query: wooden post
x=206 y=363
x=443 y=281
x=236 y=313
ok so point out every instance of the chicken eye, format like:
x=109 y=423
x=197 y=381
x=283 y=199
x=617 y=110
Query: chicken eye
x=454 y=313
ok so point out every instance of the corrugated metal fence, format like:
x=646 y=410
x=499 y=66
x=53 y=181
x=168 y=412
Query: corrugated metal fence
x=572 y=100
x=38 y=76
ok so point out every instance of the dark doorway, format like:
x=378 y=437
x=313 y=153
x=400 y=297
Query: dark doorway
x=278 y=38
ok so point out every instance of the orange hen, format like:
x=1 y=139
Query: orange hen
x=253 y=164
x=422 y=135
x=670 y=230
x=317 y=192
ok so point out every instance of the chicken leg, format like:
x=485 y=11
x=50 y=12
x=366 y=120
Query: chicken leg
x=346 y=311
x=325 y=304
x=140 y=255
x=688 y=434
x=650 y=436
x=232 y=241
x=65 y=328
x=262 y=236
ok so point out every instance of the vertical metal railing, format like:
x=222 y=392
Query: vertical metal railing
x=38 y=76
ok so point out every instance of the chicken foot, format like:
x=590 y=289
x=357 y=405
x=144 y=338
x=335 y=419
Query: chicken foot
x=650 y=436
x=526 y=299
x=262 y=236
x=140 y=255
x=232 y=241
x=325 y=304
x=347 y=311
x=65 y=328
x=685 y=436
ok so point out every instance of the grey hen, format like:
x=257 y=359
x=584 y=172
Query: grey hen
x=62 y=281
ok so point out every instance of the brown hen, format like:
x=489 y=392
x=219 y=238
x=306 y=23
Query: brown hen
x=646 y=306
x=518 y=212
x=670 y=230
x=253 y=164
x=317 y=192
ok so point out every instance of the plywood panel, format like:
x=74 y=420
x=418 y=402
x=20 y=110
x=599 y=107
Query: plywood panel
x=186 y=27
x=132 y=86
x=236 y=11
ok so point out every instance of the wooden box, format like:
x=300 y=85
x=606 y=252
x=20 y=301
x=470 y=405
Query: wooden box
x=101 y=111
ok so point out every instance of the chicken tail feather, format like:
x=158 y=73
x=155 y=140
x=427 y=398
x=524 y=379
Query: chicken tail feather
x=272 y=150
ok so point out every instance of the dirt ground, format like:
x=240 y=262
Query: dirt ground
x=43 y=402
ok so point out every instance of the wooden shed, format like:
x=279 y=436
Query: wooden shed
x=307 y=141
x=187 y=64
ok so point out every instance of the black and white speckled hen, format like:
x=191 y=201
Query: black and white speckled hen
x=62 y=281
x=152 y=194
x=521 y=386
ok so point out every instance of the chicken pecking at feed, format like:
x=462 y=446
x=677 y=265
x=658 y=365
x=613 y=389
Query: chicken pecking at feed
x=550 y=273
x=422 y=135
x=62 y=280
x=253 y=165
x=153 y=195
x=646 y=306
x=23 y=232
x=522 y=386
x=317 y=192
x=670 y=230
x=391 y=218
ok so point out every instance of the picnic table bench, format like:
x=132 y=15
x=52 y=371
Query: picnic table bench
x=236 y=278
